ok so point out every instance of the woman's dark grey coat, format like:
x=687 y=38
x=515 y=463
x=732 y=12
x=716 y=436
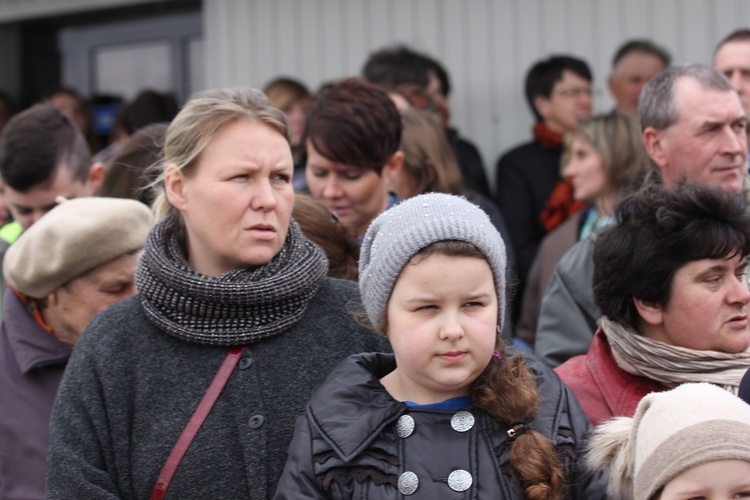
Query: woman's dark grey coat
x=130 y=389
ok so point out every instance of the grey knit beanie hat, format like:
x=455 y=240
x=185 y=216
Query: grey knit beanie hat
x=400 y=232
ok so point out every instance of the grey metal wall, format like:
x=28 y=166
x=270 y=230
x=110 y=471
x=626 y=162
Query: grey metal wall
x=486 y=45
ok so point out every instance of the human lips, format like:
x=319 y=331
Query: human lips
x=452 y=356
x=262 y=231
x=738 y=321
x=340 y=209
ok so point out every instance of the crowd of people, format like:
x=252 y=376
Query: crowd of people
x=292 y=294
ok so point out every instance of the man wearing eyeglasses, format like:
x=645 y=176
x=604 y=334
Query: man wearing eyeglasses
x=558 y=91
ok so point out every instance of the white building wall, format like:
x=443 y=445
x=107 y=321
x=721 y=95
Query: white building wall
x=19 y=10
x=486 y=45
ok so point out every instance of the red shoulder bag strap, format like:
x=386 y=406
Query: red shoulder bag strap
x=196 y=421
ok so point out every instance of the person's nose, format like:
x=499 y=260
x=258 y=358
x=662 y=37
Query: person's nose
x=264 y=197
x=569 y=169
x=739 y=294
x=331 y=189
x=735 y=141
x=736 y=80
x=451 y=329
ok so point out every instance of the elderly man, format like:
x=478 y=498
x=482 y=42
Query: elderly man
x=694 y=129
x=669 y=280
x=634 y=64
x=75 y=261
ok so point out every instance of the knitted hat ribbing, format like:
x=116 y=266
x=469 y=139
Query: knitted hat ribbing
x=399 y=233
x=670 y=433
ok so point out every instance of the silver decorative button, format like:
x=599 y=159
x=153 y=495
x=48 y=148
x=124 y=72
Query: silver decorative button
x=404 y=426
x=408 y=482
x=462 y=421
x=459 y=480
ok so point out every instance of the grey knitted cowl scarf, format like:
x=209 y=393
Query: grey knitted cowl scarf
x=239 y=307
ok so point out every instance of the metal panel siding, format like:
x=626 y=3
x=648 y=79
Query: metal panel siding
x=16 y=10
x=486 y=45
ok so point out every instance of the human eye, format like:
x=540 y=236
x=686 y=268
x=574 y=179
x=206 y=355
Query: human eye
x=352 y=175
x=742 y=494
x=282 y=177
x=317 y=172
x=740 y=271
x=239 y=176
x=741 y=125
x=117 y=289
x=712 y=128
x=425 y=307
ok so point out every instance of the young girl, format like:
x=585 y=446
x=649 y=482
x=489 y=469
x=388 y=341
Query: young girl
x=688 y=443
x=452 y=413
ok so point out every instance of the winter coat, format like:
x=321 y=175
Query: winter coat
x=525 y=178
x=552 y=249
x=131 y=388
x=568 y=316
x=603 y=389
x=356 y=441
x=32 y=363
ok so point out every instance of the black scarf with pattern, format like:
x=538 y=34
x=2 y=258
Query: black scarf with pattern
x=239 y=307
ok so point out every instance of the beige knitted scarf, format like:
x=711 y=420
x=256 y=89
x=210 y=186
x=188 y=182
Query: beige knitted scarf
x=672 y=365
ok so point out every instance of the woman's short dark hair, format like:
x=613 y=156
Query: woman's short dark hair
x=353 y=122
x=657 y=232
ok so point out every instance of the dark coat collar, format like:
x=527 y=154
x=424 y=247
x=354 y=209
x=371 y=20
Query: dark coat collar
x=352 y=407
x=29 y=343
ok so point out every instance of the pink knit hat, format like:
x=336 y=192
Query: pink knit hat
x=670 y=433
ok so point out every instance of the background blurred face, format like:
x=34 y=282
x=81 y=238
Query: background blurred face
x=72 y=107
x=356 y=194
x=707 y=143
x=569 y=101
x=70 y=309
x=237 y=203
x=707 y=308
x=718 y=480
x=586 y=170
x=296 y=116
x=441 y=322
x=29 y=206
x=632 y=72
x=733 y=59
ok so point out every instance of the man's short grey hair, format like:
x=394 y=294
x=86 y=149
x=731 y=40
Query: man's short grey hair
x=656 y=106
